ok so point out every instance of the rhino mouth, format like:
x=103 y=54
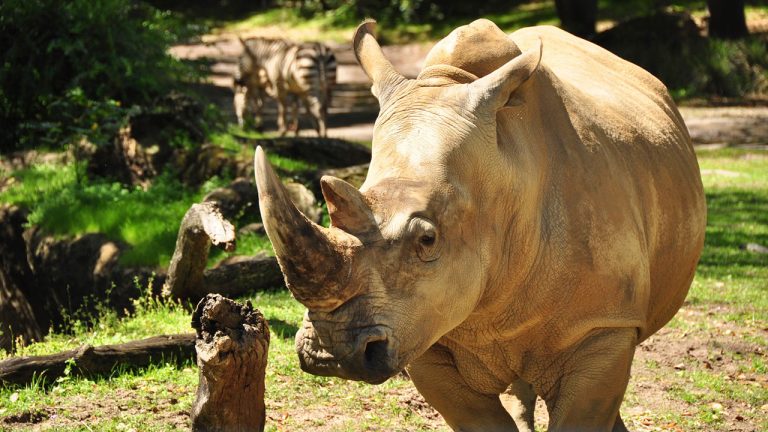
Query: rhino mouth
x=370 y=355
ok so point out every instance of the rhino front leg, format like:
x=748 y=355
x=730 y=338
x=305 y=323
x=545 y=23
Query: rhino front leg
x=588 y=396
x=464 y=409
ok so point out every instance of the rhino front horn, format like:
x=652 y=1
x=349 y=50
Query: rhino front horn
x=316 y=261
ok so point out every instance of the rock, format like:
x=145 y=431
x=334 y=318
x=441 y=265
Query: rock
x=238 y=197
x=305 y=201
x=252 y=228
x=754 y=248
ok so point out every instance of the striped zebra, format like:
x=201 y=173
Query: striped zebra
x=290 y=73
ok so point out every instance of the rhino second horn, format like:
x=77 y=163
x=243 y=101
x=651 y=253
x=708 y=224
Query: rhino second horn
x=315 y=261
x=346 y=206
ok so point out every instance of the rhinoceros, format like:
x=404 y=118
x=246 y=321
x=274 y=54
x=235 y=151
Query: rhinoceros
x=532 y=212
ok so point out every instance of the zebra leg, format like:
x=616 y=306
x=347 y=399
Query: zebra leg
x=295 y=113
x=316 y=111
x=281 y=129
x=257 y=105
x=239 y=101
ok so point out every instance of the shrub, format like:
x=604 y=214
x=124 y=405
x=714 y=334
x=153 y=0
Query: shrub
x=71 y=68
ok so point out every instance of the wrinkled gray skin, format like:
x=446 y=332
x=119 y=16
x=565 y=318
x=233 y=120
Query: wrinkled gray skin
x=532 y=212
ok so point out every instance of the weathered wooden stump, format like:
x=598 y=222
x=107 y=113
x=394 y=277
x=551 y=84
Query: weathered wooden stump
x=232 y=345
x=202 y=225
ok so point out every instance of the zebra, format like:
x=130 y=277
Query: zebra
x=250 y=86
x=289 y=73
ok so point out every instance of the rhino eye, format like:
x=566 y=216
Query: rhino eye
x=426 y=240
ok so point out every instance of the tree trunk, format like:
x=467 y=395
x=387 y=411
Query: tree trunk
x=89 y=360
x=726 y=19
x=232 y=345
x=17 y=318
x=578 y=16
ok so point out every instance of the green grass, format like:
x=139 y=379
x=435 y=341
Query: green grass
x=148 y=220
x=291 y=394
x=248 y=244
x=145 y=220
x=736 y=184
x=287 y=22
x=290 y=165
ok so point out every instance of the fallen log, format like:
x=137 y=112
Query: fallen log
x=324 y=152
x=239 y=275
x=88 y=360
x=232 y=345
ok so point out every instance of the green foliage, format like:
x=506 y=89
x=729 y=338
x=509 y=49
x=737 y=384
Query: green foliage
x=146 y=220
x=75 y=68
x=734 y=68
x=400 y=11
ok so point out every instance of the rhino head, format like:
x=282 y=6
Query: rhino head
x=406 y=258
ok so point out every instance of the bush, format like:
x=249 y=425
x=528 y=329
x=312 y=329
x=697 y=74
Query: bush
x=670 y=46
x=72 y=68
x=393 y=12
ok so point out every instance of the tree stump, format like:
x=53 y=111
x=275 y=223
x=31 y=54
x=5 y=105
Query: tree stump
x=232 y=345
x=202 y=225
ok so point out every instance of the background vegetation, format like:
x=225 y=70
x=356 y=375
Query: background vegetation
x=74 y=68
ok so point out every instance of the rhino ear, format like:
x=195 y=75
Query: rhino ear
x=348 y=210
x=370 y=56
x=496 y=89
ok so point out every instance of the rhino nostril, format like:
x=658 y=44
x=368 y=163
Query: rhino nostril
x=376 y=353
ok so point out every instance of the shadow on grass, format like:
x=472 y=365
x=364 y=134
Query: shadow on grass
x=735 y=218
x=283 y=329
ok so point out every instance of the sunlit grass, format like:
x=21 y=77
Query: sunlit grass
x=736 y=184
x=289 y=390
x=146 y=220
x=287 y=23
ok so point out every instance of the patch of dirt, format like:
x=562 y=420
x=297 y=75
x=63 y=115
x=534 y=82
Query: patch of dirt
x=411 y=399
x=82 y=411
x=329 y=416
x=29 y=417
x=727 y=126
x=666 y=366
